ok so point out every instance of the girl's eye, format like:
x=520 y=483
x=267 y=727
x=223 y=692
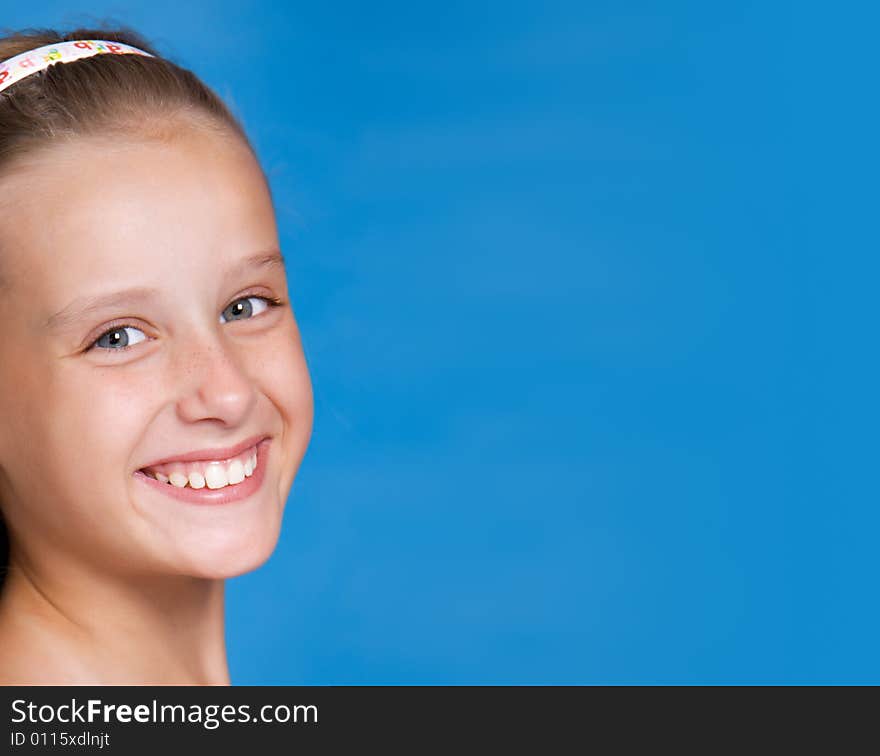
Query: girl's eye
x=118 y=339
x=242 y=309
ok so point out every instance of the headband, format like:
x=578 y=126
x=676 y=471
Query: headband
x=31 y=62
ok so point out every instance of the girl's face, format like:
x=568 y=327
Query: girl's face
x=137 y=327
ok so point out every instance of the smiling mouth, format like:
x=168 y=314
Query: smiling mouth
x=213 y=474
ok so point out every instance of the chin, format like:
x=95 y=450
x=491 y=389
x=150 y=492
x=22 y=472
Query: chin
x=229 y=555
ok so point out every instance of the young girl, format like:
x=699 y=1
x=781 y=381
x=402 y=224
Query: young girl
x=155 y=402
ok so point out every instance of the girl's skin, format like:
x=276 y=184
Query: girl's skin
x=110 y=581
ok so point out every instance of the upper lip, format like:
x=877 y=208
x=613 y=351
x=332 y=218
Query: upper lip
x=206 y=455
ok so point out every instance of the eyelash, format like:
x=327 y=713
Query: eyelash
x=271 y=301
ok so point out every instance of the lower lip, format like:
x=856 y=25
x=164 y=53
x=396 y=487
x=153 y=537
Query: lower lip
x=225 y=495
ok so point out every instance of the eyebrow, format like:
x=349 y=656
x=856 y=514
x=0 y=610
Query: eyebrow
x=85 y=306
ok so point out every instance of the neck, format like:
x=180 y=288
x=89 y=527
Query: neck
x=82 y=628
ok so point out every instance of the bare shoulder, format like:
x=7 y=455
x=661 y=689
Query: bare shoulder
x=31 y=656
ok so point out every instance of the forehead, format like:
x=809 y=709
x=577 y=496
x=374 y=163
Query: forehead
x=96 y=207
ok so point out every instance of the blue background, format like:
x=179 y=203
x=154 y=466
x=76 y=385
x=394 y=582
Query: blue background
x=585 y=291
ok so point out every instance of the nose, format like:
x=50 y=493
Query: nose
x=215 y=385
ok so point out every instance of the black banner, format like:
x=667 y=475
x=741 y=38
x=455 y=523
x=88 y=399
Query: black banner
x=126 y=720
x=411 y=719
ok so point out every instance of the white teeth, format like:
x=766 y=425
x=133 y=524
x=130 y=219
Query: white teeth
x=235 y=472
x=196 y=480
x=178 y=479
x=215 y=476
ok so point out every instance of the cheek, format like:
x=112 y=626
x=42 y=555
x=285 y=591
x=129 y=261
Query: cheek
x=99 y=415
x=64 y=420
x=75 y=435
x=284 y=375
